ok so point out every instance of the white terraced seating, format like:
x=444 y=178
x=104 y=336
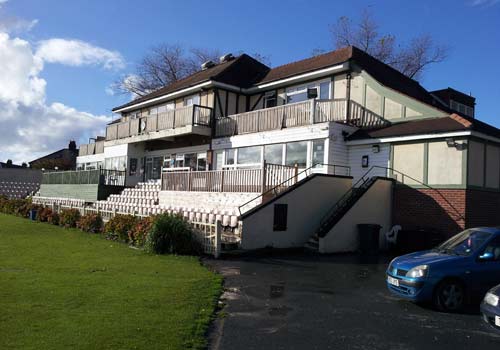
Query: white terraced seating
x=49 y=201
x=144 y=200
x=18 y=190
x=214 y=201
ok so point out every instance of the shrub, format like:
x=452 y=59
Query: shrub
x=91 y=223
x=171 y=234
x=43 y=214
x=19 y=207
x=118 y=227
x=137 y=235
x=53 y=218
x=69 y=217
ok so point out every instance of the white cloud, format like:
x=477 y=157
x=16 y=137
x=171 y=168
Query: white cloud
x=78 y=53
x=484 y=3
x=29 y=126
x=12 y=24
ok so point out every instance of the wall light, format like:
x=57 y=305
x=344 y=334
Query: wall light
x=450 y=142
x=375 y=148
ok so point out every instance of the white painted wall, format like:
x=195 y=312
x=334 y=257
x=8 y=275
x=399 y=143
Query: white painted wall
x=307 y=204
x=338 y=152
x=374 y=207
x=381 y=158
x=91 y=158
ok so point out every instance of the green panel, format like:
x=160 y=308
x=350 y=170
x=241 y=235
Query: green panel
x=86 y=192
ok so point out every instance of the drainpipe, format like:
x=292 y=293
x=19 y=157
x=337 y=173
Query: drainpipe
x=348 y=98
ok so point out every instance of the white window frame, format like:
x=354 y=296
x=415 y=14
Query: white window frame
x=299 y=89
x=191 y=100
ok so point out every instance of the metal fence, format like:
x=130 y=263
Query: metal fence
x=85 y=177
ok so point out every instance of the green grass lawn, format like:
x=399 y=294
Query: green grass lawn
x=66 y=289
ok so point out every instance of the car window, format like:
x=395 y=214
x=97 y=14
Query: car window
x=493 y=248
x=465 y=243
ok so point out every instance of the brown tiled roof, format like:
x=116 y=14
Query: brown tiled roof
x=385 y=74
x=451 y=123
x=309 y=64
x=243 y=71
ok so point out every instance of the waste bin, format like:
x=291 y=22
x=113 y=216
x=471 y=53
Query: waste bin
x=33 y=214
x=369 y=238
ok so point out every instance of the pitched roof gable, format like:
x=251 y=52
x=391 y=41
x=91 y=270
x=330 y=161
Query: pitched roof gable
x=242 y=71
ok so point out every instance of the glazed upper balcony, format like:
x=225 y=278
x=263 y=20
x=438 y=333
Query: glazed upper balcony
x=298 y=114
x=194 y=119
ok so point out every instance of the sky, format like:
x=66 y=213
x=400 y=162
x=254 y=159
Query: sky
x=58 y=58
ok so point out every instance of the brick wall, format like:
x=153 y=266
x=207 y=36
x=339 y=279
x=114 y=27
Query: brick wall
x=445 y=210
x=482 y=208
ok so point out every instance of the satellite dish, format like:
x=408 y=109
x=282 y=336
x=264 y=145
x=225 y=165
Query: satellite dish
x=143 y=124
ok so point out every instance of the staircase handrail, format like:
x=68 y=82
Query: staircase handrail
x=363 y=180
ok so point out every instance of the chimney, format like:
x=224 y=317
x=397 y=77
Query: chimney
x=72 y=145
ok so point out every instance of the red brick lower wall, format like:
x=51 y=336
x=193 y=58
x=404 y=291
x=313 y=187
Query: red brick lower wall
x=445 y=210
x=482 y=208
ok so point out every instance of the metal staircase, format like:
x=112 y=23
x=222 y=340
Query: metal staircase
x=339 y=209
x=343 y=205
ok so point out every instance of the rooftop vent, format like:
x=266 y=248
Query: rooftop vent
x=207 y=64
x=226 y=58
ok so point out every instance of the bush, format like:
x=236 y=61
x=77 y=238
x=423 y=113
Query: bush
x=53 y=218
x=171 y=234
x=69 y=217
x=43 y=214
x=91 y=223
x=19 y=207
x=118 y=227
x=137 y=235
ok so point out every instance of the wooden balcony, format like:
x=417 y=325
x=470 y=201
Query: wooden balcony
x=191 y=119
x=298 y=114
x=91 y=148
x=257 y=180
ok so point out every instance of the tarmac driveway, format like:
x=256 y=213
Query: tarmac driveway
x=330 y=302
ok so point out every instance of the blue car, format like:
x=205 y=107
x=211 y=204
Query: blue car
x=490 y=307
x=450 y=275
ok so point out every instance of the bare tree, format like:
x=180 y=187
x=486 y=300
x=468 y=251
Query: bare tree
x=410 y=59
x=164 y=65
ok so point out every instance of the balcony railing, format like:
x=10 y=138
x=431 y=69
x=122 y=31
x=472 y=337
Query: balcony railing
x=298 y=114
x=228 y=180
x=176 y=118
x=85 y=177
x=91 y=148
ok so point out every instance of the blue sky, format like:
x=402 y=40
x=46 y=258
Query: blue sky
x=283 y=30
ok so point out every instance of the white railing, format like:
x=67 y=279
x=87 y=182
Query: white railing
x=298 y=114
x=176 y=118
x=208 y=235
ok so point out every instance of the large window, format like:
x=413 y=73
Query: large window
x=274 y=153
x=249 y=155
x=219 y=159
x=299 y=93
x=116 y=163
x=318 y=152
x=192 y=100
x=296 y=153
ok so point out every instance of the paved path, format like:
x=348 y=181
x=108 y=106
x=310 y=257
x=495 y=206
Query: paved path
x=333 y=302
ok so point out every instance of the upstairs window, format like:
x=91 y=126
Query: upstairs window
x=191 y=100
x=299 y=93
x=270 y=99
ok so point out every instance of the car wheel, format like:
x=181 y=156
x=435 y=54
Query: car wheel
x=450 y=296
